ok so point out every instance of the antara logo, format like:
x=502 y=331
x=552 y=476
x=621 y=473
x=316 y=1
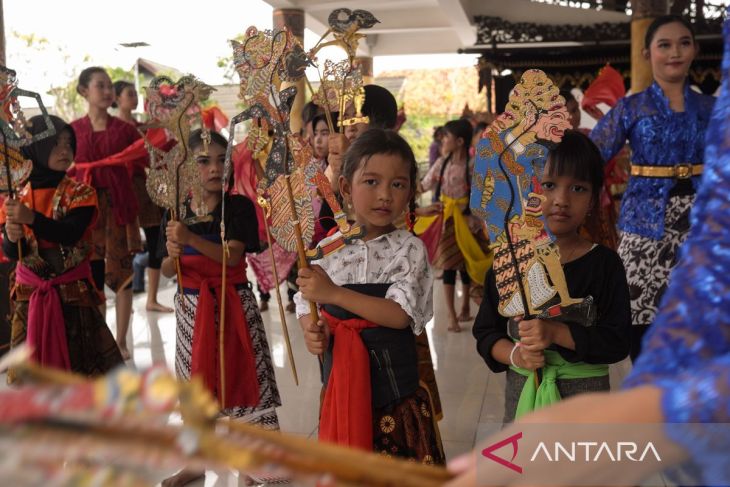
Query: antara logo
x=574 y=452
x=593 y=451
x=487 y=452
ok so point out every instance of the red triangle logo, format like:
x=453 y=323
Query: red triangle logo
x=488 y=452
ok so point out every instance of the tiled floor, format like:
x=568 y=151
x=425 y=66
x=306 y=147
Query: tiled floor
x=472 y=396
x=462 y=377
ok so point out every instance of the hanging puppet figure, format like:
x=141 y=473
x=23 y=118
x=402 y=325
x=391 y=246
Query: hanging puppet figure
x=56 y=303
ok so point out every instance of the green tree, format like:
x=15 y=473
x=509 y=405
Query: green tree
x=226 y=63
x=36 y=52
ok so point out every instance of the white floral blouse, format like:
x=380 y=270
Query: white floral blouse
x=397 y=257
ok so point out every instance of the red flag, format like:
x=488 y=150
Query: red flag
x=608 y=88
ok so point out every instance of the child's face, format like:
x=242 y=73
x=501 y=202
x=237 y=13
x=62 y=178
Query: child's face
x=211 y=167
x=321 y=140
x=450 y=144
x=379 y=192
x=127 y=99
x=62 y=154
x=100 y=92
x=568 y=201
x=354 y=131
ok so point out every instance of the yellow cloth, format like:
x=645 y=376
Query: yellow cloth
x=477 y=262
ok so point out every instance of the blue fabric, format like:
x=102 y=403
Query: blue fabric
x=686 y=352
x=215 y=238
x=657 y=136
x=139 y=264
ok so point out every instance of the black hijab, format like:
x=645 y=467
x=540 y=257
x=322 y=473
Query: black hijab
x=39 y=152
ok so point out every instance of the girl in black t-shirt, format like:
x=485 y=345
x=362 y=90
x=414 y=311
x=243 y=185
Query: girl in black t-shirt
x=245 y=387
x=573 y=356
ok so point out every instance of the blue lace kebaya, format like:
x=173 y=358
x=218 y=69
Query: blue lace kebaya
x=658 y=136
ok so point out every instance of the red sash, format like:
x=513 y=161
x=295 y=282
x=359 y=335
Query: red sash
x=241 y=383
x=347 y=415
x=46 y=329
x=432 y=236
x=108 y=174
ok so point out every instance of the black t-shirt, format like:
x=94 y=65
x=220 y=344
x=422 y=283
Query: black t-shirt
x=241 y=224
x=600 y=274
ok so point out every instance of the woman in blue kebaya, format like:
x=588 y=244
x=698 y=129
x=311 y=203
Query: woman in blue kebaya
x=665 y=126
x=682 y=379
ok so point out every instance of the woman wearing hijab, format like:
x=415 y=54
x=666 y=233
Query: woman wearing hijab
x=56 y=304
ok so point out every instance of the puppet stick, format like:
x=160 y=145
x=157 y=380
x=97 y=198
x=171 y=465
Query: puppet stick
x=347 y=465
x=11 y=194
x=266 y=207
x=173 y=214
x=327 y=114
x=177 y=183
x=278 y=294
x=522 y=210
x=301 y=252
x=316 y=46
x=343 y=107
x=222 y=324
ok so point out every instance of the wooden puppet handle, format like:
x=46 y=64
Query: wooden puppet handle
x=278 y=296
x=326 y=106
x=222 y=325
x=178 y=269
x=301 y=251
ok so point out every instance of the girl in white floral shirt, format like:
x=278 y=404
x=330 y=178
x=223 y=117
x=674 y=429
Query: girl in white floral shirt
x=374 y=296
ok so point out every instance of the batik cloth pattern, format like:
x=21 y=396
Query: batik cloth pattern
x=649 y=262
x=115 y=244
x=264 y=414
x=150 y=215
x=408 y=429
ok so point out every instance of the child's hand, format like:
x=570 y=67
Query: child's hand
x=316 y=335
x=338 y=145
x=535 y=335
x=316 y=286
x=178 y=233
x=17 y=212
x=174 y=250
x=14 y=231
x=528 y=360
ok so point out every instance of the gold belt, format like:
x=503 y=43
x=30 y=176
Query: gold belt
x=678 y=171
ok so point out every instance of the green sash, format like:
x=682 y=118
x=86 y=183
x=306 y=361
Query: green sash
x=556 y=367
